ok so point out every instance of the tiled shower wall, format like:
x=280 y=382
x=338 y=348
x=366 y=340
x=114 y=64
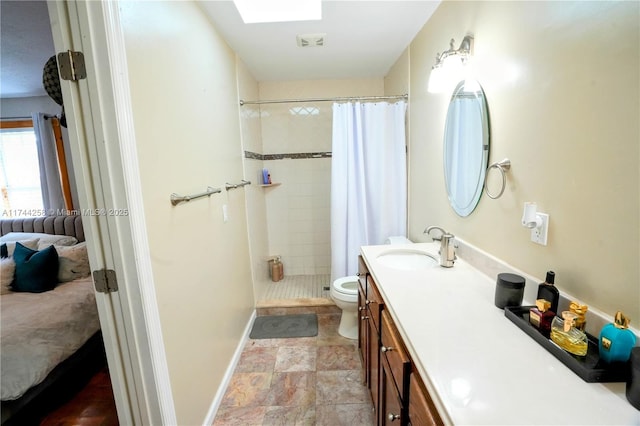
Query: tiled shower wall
x=296 y=143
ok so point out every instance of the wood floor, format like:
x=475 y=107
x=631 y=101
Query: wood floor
x=92 y=406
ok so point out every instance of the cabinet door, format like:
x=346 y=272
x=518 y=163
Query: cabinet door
x=421 y=411
x=390 y=412
x=374 y=301
x=363 y=325
x=393 y=350
x=374 y=363
x=363 y=337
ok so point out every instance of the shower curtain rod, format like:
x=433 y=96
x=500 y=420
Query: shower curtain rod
x=350 y=98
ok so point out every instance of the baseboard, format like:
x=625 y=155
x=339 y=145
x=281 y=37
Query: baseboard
x=217 y=400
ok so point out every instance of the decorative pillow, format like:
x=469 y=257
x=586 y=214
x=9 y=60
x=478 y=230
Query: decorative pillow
x=59 y=240
x=10 y=246
x=7 y=271
x=73 y=261
x=36 y=271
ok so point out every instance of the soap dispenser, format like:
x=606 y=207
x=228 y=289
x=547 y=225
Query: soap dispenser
x=548 y=291
x=616 y=340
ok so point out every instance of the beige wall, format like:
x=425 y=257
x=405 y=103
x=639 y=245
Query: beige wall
x=562 y=84
x=255 y=194
x=396 y=82
x=298 y=211
x=188 y=137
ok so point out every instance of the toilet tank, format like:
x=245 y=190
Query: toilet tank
x=398 y=240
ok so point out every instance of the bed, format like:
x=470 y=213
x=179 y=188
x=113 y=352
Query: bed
x=50 y=342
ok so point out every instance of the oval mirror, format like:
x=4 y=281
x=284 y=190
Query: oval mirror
x=466 y=146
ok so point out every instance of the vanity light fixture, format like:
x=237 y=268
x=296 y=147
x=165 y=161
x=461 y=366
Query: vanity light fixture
x=450 y=65
x=537 y=222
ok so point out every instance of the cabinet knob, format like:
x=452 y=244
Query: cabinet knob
x=386 y=349
x=393 y=417
x=357 y=274
x=367 y=302
x=363 y=318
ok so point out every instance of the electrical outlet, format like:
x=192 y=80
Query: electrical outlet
x=539 y=234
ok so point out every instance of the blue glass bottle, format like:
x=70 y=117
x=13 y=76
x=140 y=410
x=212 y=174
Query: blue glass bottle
x=616 y=340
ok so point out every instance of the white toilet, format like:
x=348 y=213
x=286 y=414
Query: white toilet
x=344 y=292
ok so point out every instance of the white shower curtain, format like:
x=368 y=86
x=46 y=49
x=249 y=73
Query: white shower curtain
x=463 y=161
x=368 y=180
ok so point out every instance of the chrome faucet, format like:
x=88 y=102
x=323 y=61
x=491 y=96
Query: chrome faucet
x=447 y=249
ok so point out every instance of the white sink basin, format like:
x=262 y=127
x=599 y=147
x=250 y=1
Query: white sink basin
x=407 y=259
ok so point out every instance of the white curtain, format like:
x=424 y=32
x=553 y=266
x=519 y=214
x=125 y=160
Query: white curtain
x=52 y=197
x=368 y=180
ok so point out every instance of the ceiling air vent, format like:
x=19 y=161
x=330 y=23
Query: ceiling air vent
x=310 y=40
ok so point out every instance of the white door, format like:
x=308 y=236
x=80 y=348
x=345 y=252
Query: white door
x=103 y=152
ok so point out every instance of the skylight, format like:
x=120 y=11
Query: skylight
x=260 y=11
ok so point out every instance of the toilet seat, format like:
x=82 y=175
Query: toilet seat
x=345 y=288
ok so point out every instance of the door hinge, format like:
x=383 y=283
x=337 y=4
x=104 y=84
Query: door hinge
x=105 y=281
x=71 y=65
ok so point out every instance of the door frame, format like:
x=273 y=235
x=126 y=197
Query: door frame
x=103 y=150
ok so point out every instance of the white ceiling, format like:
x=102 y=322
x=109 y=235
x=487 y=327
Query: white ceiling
x=363 y=40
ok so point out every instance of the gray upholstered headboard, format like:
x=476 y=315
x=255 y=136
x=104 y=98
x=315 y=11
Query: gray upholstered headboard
x=56 y=225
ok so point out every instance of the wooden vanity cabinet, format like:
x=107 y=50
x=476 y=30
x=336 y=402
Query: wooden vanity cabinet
x=393 y=351
x=397 y=391
x=421 y=410
x=369 y=306
x=391 y=410
x=395 y=367
x=375 y=307
x=363 y=316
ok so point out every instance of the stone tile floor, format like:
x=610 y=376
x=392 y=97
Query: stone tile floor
x=302 y=381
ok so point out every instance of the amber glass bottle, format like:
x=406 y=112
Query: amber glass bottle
x=548 y=291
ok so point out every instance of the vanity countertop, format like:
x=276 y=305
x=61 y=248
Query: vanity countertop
x=479 y=367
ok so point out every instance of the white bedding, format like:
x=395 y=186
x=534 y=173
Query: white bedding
x=39 y=330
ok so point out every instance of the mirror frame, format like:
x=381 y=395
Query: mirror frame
x=452 y=141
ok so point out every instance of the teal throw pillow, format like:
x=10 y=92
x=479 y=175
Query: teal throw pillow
x=4 y=251
x=36 y=271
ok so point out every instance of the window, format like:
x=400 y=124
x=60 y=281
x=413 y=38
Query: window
x=19 y=170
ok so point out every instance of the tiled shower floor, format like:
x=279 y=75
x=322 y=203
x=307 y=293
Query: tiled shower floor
x=302 y=381
x=297 y=294
x=299 y=287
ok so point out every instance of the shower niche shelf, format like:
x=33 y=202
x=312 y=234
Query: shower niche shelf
x=269 y=185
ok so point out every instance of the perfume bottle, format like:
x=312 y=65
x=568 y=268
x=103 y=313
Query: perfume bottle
x=580 y=311
x=616 y=340
x=548 y=291
x=565 y=335
x=540 y=316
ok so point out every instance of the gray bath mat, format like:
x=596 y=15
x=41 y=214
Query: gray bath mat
x=282 y=326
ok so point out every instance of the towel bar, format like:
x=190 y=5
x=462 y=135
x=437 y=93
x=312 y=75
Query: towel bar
x=229 y=186
x=177 y=199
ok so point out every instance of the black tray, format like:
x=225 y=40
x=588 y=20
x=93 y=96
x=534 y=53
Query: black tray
x=590 y=368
